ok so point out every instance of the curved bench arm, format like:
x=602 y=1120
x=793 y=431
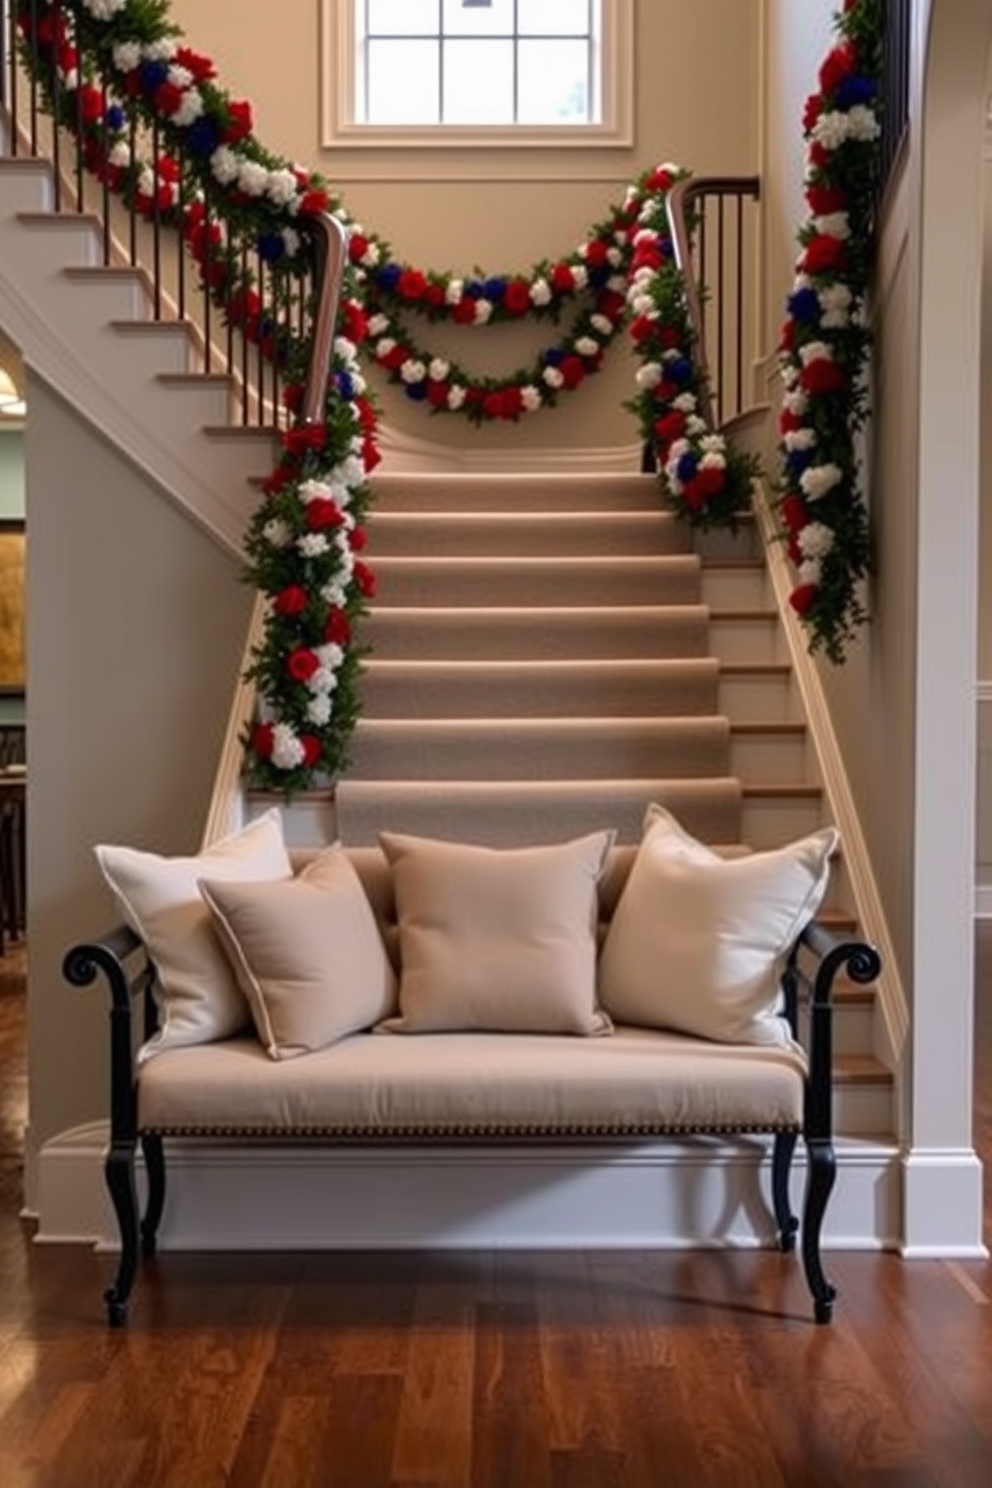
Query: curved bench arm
x=81 y=966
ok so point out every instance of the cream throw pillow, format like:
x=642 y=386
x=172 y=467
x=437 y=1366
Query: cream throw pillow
x=199 y=1000
x=499 y=939
x=307 y=953
x=697 y=942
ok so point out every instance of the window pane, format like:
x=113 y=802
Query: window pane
x=554 y=17
x=402 y=82
x=399 y=17
x=553 y=82
x=495 y=19
x=478 y=82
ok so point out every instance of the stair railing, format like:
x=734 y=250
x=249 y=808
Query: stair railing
x=714 y=238
x=251 y=334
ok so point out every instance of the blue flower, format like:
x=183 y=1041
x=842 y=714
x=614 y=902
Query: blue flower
x=804 y=306
x=852 y=91
x=345 y=386
x=666 y=247
x=796 y=461
x=415 y=390
x=115 y=118
x=686 y=467
x=153 y=75
x=598 y=277
x=388 y=275
x=551 y=357
x=203 y=136
x=474 y=289
x=495 y=288
x=271 y=247
x=679 y=369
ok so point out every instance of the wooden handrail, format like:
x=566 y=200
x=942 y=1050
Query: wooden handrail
x=330 y=255
x=681 y=200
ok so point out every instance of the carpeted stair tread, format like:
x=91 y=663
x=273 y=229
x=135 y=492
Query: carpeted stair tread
x=526 y=580
x=541 y=689
x=548 y=534
x=515 y=491
x=452 y=633
x=540 y=749
x=520 y=813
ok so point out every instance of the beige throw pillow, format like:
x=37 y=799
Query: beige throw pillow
x=307 y=954
x=698 y=942
x=498 y=939
x=198 y=997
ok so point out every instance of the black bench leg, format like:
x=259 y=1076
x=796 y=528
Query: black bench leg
x=154 y=1155
x=819 y=1182
x=788 y=1224
x=119 y=1173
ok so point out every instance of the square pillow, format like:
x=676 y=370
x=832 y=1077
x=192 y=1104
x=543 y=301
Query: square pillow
x=307 y=954
x=198 y=996
x=698 y=942
x=495 y=938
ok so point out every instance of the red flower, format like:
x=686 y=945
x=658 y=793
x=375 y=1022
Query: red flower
x=793 y=512
x=822 y=376
x=364 y=578
x=310 y=745
x=358 y=539
x=167 y=168
x=292 y=396
x=596 y=252
x=646 y=256
x=838 y=65
x=394 y=358
x=437 y=393
x=91 y=103
x=323 y=512
x=517 y=297
x=301 y=664
x=825 y=199
x=660 y=180
x=411 y=284
x=290 y=601
x=562 y=279
x=572 y=370
x=366 y=415
x=819 y=156
x=666 y=391
x=261 y=740
x=358 y=246
x=504 y=403
x=611 y=304
x=823 y=253
x=355 y=323
x=464 y=312
x=304 y=437
x=370 y=455
x=278 y=480
x=642 y=329
x=314 y=202
x=711 y=479
x=669 y=339
x=195 y=62
x=434 y=296
x=337 y=630
x=68 y=57
x=787 y=335
x=670 y=426
x=803 y=597
x=244 y=304
x=693 y=494
x=168 y=98
x=238 y=123
x=788 y=421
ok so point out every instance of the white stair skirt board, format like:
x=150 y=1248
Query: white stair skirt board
x=942 y=1204
x=700 y=1194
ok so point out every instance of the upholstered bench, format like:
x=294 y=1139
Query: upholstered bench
x=429 y=992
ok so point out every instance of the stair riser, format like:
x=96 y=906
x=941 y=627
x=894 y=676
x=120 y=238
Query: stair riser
x=495 y=493
x=864 y=1110
x=853 y=1027
x=575 y=535
x=510 y=753
x=58 y=243
x=414 y=693
x=769 y=759
x=777 y=821
x=534 y=635
x=747 y=642
x=726 y=587
x=759 y=699
x=533 y=582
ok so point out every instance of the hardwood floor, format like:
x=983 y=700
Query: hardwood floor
x=482 y=1370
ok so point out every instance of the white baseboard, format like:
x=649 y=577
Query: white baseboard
x=942 y=1204
x=983 y=901
x=679 y=1195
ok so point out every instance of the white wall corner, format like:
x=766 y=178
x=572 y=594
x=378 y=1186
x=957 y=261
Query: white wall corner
x=942 y=1204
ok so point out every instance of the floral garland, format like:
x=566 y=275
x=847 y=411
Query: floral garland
x=825 y=341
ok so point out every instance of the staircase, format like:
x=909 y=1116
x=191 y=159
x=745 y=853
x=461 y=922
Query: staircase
x=548 y=652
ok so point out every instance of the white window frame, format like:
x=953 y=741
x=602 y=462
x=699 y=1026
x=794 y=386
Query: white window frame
x=340 y=127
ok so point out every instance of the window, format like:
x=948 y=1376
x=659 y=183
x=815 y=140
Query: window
x=497 y=72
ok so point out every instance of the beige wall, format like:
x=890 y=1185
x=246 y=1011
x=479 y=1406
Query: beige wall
x=136 y=627
x=457 y=209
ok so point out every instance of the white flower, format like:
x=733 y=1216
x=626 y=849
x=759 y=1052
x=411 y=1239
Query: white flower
x=162 y=50
x=810 y=571
x=180 y=77
x=483 y=311
x=831 y=129
x=358 y=383
x=602 y=323
x=834 y=224
x=312 y=544
x=377 y=324
x=315 y=490
x=190 y=109
x=350 y=471
x=553 y=377
x=815 y=351
x=287 y=751
x=319 y=709
x=815 y=540
x=540 y=292
x=281 y=187
x=649 y=375
x=685 y=402
x=127 y=55
x=695 y=425
x=253 y=177
x=146 y=181
x=614 y=257
x=799 y=439
x=334 y=593
x=616 y=284
x=586 y=346
x=862 y=123
x=796 y=402
x=713 y=460
x=413 y=372
x=323 y=680
x=531 y=398
x=330 y=654
x=835 y=302
x=346 y=351
x=818 y=480
x=642 y=304
x=455 y=290
x=120 y=154
x=580 y=275
x=713 y=444
x=103 y=10
x=384 y=346
x=438 y=369
x=801 y=281
x=456 y=397
x=225 y=165
x=371 y=256
x=70 y=78
x=278 y=533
